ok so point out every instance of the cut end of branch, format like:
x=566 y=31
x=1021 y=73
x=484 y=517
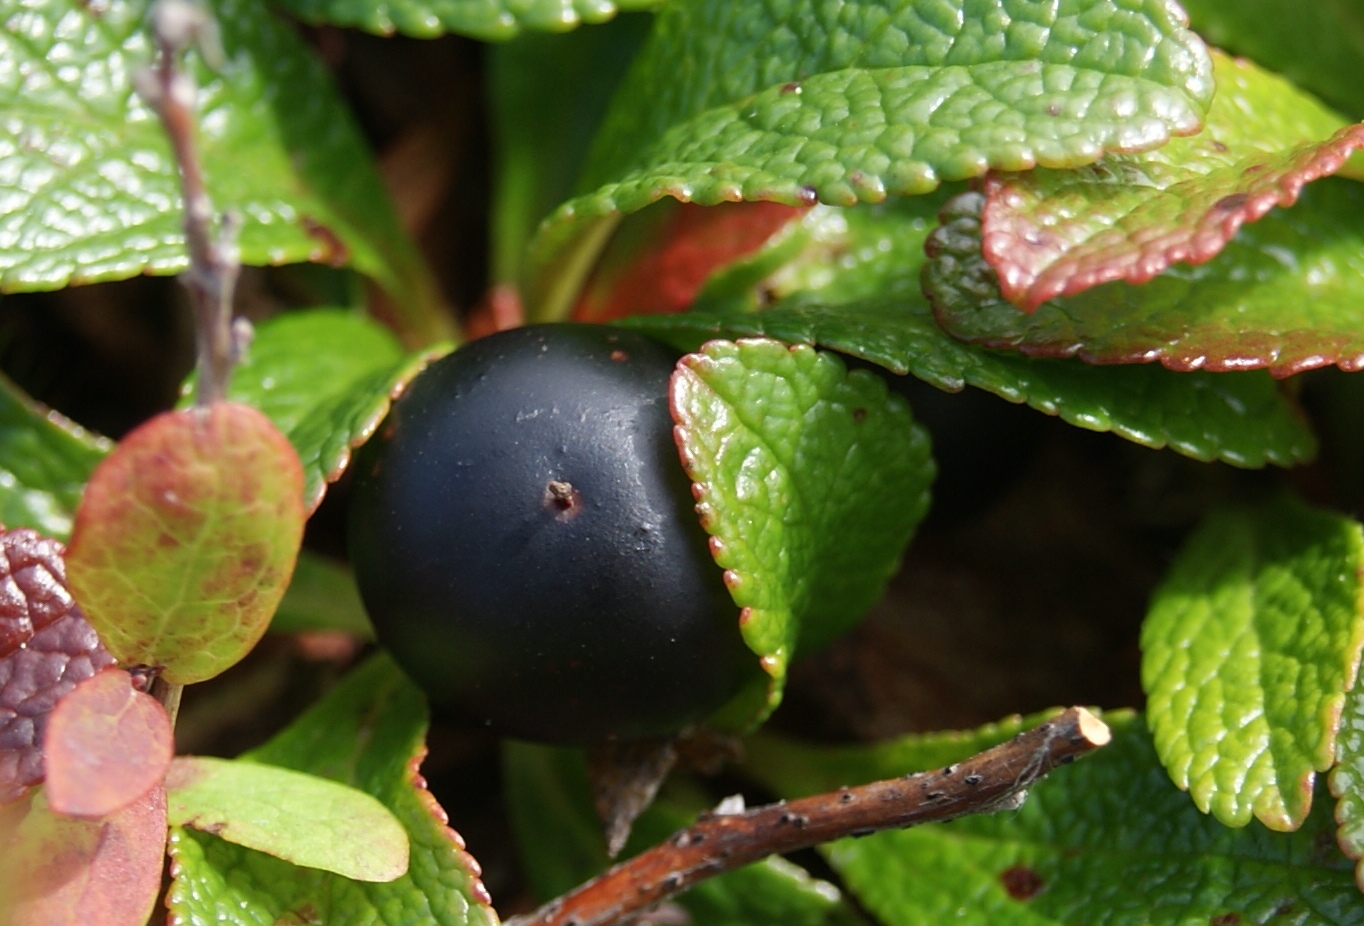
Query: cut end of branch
x=1094 y=730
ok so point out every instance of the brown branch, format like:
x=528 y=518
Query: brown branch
x=995 y=779
x=214 y=261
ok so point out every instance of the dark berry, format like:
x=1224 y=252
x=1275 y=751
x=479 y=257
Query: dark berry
x=524 y=539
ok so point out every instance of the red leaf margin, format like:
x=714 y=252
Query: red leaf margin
x=1035 y=264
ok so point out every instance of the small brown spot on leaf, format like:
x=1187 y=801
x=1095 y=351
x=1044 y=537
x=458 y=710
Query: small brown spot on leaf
x=1021 y=882
x=1218 y=147
x=1225 y=919
x=790 y=87
x=859 y=415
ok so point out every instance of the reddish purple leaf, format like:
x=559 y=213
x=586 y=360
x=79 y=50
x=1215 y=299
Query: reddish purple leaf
x=67 y=871
x=56 y=649
x=106 y=746
x=32 y=586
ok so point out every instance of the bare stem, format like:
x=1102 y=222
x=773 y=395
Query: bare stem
x=213 y=255
x=993 y=780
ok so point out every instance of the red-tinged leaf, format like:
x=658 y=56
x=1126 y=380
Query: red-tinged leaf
x=1052 y=233
x=1282 y=296
x=66 y=871
x=106 y=746
x=186 y=538
x=33 y=590
x=661 y=258
x=52 y=660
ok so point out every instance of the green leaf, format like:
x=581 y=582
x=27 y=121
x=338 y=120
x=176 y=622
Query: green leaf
x=325 y=377
x=562 y=846
x=1239 y=418
x=547 y=95
x=851 y=282
x=45 y=461
x=1318 y=46
x=490 y=20
x=1057 y=233
x=321 y=596
x=1248 y=649
x=1106 y=840
x=367 y=733
x=92 y=192
x=810 y=481
x=1347 y=780
x=789 y=103
x=310 y=821
x=186 y=537
x=1282 y=295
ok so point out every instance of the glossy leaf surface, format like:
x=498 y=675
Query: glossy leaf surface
x=1280 y=296
x=856 y=102
x=324 y=377
x=44 y=462
x=93 y=193
x=1057 y=233
x=368 y=733
x=874 y=311
x=1248 y=649
x=186 y=538
x=1347 y=780
x=794 y=463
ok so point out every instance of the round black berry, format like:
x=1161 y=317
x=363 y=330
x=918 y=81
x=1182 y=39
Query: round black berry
x=524 y=540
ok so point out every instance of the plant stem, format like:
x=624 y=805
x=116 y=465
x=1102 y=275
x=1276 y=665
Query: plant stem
x=993 y=780
x=214 y=259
